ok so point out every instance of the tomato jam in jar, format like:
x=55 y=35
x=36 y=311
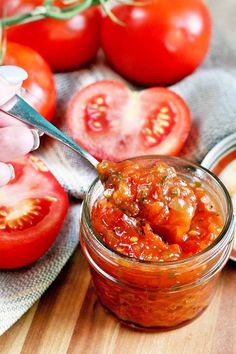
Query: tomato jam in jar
x=156 y=233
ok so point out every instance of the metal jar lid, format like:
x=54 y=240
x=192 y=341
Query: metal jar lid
x=211 y=160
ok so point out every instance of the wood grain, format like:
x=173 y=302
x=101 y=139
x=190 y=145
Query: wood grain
x=69 y=320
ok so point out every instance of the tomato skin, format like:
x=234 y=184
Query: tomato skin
x=20 y=247
x=122 y=117
x=161 y=42
x=65 y=44
x=40 y=83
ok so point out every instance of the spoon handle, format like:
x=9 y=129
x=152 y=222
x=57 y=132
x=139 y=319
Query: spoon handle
x=21 y=110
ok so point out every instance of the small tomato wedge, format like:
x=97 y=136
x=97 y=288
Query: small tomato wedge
x=32 y=210
x=115 y=123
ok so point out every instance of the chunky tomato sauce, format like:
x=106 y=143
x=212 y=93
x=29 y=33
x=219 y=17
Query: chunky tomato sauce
x=151 y=213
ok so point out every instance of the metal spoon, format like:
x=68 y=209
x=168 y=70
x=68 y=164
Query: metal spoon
x=18 y=108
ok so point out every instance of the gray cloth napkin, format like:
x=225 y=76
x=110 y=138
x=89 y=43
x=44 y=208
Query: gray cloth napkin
x=211 y=94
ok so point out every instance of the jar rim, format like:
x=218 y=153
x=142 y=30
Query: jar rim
x=227 y=225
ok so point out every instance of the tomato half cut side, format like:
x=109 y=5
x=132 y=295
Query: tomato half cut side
x=167 y=122
x=115 y=123
x=32 y=210
x=94 y=117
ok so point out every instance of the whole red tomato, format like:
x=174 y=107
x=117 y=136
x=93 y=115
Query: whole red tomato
x=65 y=44
x=40 y=83
x=160 y=42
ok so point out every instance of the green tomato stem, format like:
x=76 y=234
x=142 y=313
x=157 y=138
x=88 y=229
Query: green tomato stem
x=47 y=11
x=47 y=2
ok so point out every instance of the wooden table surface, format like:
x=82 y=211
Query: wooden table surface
x=68 y=319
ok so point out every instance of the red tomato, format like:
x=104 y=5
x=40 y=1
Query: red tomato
x=65 y=44
x=114 y=123
x=32 y=210
x=40 y=83
x=160 y=43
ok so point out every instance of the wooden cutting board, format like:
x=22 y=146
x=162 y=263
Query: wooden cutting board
x=68 y=319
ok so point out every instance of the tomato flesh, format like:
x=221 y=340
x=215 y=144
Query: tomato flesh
x=114 y=123
x=95 y=114
x=159 y=125
x=32 y=210
x=148 y=212
x=24 y=214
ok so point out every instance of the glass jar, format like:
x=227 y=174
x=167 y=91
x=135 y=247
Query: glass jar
x=158 y=294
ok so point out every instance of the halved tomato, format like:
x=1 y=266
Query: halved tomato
x=32 y=210
x=114 y=123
